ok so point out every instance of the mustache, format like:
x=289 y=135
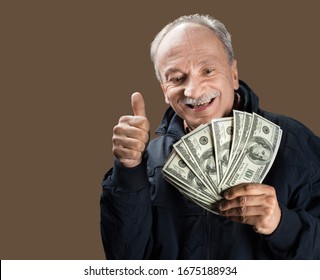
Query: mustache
x=203 y=99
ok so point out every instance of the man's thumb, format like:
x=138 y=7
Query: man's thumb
x=137 y=104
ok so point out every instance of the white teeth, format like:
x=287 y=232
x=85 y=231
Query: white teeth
x=201 y=104
x=205 y=100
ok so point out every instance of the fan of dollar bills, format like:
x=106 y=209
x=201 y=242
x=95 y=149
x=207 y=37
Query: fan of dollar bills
x=221 y=154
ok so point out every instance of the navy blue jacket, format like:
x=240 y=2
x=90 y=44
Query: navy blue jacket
x=144 y=217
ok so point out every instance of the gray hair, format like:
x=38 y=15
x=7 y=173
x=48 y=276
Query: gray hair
x=215 y=25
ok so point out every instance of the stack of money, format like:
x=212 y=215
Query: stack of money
x=221 y=154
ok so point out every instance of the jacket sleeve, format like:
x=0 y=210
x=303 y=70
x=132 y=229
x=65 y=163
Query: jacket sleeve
x=298 y=234
x=125 y=212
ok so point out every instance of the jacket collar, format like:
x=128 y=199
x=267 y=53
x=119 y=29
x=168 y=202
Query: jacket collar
x=171 y=124
x=250 y=101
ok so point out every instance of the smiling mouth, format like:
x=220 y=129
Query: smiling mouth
x=194 y=106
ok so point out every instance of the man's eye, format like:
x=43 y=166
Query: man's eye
x=177 y=79
x=208 y=71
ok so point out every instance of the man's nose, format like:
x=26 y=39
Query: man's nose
x=193 y=88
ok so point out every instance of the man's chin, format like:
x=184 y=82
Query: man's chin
x=194 y=124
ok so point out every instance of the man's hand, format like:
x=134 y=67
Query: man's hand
x=252 y=204
x=131 y=134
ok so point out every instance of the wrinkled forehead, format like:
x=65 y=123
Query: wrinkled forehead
x=186 y=36
x=184 y=31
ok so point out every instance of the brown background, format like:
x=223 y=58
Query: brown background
x=67 y=71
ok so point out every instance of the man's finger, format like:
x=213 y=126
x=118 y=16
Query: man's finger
x=248 y=189
x=138 y=105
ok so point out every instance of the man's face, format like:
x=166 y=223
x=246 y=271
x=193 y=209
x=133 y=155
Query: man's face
x=196 y=78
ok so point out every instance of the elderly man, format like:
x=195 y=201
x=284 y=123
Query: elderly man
x=144 y=217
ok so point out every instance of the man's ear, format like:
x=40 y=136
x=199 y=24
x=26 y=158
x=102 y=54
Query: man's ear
x=235 y=77
x=165 y=94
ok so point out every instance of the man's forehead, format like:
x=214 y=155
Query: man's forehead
x=185 y=36
x=183 y=32
x=185 y=41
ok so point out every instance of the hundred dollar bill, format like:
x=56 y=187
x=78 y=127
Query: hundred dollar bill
x=222 y=135
x=199 y=144
x=187 y=192
x=183 y=152
x=195 y=198
x=257 y=156
x=238 y=126
x=247 y=122
x=204 y=205
x=177 y=171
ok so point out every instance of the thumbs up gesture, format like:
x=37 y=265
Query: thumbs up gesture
x=131 y=134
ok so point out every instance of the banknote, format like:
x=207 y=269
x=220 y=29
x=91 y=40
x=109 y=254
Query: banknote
x=193 y=196
x=190 y=194
x=257 y=156
x=178 y=172
x=238 y=127
x=199 y=144
x=246 y=126
x=183 y=152
x=222 y=135
x=221 y=154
